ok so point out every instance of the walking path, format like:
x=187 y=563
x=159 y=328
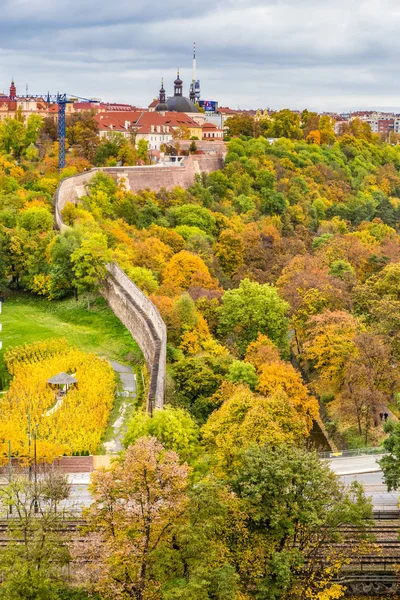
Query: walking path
x=128 y=381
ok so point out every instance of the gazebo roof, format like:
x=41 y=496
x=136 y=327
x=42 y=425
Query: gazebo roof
x=62 y=379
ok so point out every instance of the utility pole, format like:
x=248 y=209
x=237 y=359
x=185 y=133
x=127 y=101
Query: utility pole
x=9 y=469
x=29 y=446
x=36 y=507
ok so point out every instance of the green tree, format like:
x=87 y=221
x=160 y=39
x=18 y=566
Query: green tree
x=12 y=133
x=198 y=565
x=89 y=264
x=196 y=381
x=36 y=551
x=173 y=427
x=242 y=125
x=252 y=309
x=243 y=372
x=32 y=129
x=294 y=509
x=390 y=463
x=192 y=215
x=143 y=151
x=61 y=265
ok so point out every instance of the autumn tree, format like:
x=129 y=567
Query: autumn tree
x=331 y=344
x=369 y=381
x=295 y=508
x=136 y=504
x=246 y=418
x=252 y=309
x=242 y=125
x=326 y=130
x=309 y=122
x=282 y=375
x=229 y=250
x=286 y=124
x=184 y=270
x=173 y=427
x=89 y=264
x=262 y=351
x=314 y=137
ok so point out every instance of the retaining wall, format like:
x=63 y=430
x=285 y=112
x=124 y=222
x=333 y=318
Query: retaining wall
x=127 y=301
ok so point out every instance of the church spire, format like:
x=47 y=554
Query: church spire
x=162 y=92
x=178 y=85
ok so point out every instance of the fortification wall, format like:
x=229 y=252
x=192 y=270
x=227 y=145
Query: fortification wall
x=155 y=178
x=127 y=301
x=144 y=322
x=70 y=190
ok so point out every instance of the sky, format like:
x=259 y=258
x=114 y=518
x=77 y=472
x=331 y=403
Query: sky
x=326 y=55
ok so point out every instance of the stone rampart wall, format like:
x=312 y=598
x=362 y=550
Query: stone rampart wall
x=69 y=190
x=155 y=178
x=127 y=301
x=144 y=322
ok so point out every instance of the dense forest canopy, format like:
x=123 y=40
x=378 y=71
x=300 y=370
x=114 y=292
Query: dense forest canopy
x=278 y=279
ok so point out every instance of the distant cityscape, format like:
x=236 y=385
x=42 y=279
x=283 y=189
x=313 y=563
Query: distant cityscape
x=158 y=123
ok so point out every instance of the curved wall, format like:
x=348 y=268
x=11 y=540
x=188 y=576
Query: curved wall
x=127 y=301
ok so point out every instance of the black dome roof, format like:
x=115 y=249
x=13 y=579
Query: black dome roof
x=181 y=104
x=162 y=107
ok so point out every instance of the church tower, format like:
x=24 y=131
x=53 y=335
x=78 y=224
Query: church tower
x=162 y=92
x=162 y=101
x=13 y=91
x=178 y=86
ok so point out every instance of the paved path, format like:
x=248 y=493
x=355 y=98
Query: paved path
x=366 y=470
x=128 y=381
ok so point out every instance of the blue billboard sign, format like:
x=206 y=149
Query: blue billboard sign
x=209 y=105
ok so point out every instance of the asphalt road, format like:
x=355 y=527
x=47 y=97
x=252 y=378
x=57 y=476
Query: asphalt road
x=363 y=469
x=366 y=471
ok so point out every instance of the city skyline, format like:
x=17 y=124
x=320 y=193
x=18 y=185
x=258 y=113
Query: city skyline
x=250 y=54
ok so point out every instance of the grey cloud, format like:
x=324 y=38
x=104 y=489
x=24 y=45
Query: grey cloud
x=251 y=53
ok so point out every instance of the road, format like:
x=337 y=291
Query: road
x=363 y=469
x=366 y=471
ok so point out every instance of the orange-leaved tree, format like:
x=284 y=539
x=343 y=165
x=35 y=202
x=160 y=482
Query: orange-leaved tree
x=185 y=270
x=136 y=505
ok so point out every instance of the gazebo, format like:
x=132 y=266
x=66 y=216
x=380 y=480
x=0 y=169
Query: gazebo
x=63 y=381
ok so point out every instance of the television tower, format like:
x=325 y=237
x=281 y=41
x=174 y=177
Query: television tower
x=195 y=85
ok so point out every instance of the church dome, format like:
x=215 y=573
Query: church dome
x=162 y=107
x=181 y=104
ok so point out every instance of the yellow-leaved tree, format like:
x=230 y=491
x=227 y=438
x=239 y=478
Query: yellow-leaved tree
x=246 y=418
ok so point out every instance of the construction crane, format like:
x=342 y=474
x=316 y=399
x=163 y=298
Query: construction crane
x=61 y=100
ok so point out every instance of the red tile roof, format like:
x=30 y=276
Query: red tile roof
x=144 y=120
x=210 y=127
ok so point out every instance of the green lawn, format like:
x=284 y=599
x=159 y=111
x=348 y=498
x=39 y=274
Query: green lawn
x=28 y=319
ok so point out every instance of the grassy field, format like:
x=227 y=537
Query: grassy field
x=28 y=319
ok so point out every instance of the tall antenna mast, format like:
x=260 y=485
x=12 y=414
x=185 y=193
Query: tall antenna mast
x=194 y=73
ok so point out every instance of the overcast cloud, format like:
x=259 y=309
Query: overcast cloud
x=320 y=54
